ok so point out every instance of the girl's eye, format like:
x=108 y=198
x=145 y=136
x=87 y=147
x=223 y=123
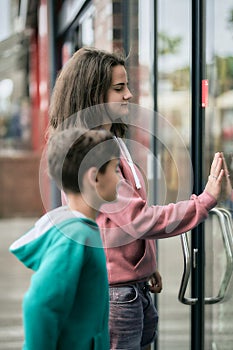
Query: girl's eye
x=120 y=88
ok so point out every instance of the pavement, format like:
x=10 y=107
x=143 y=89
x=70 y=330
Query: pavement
x=14 y=281
x=15 y=278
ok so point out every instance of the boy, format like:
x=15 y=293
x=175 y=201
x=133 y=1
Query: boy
x=67 y=303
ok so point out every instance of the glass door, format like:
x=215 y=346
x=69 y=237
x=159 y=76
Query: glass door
x=195 y=103
x=219 y=136
x=174 y=152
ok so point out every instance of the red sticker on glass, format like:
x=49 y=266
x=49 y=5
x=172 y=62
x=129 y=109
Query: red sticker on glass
x=204 y=99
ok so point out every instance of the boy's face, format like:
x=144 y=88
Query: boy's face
x=107 y=182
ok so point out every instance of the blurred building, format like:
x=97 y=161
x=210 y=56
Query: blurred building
x=180 y=59
x=39 y=36
x=19 y=156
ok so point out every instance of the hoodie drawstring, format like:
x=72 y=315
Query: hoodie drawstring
x=129 y=160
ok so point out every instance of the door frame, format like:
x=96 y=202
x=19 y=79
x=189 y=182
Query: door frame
x=197 y=155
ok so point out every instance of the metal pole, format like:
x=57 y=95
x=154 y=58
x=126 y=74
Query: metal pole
x=155 y=126
x=198 y=127
x=55 y=193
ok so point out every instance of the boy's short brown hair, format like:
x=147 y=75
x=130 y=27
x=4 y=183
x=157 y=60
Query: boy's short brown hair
x=72 y=152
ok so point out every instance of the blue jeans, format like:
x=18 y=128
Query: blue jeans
x=133 y=318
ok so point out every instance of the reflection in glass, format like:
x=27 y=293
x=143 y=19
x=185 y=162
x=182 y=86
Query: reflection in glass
x=219 y=136
x=174 y=99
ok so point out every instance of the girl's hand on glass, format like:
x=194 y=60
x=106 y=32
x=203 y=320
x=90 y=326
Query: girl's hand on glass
x=226 y=182
x=214 y=183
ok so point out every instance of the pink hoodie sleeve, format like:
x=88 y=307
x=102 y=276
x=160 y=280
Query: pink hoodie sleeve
x=139 y=220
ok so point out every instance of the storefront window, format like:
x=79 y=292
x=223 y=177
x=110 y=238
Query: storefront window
x=15 y=128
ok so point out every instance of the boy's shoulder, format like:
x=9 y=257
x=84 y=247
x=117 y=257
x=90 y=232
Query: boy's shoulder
x=73 y=225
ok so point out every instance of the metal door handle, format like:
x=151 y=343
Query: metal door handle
x=228 y=218
x=226 y=233
x=186 y=273
x=226 y=226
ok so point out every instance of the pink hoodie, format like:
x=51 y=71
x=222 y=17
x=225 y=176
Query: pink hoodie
x=129 y=226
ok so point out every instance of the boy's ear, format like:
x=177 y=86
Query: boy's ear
x=92 y=175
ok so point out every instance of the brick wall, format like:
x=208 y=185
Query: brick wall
x=19 y=183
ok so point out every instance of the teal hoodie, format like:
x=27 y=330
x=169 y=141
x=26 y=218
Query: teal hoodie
x=67 y=304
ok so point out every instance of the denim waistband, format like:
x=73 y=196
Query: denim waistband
x=143 y=286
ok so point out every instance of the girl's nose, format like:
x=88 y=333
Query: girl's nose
x=127 y=94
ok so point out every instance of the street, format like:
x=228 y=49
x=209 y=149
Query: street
x=14 y=280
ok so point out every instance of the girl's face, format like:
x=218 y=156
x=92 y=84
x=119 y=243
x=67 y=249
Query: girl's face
x=118 y=94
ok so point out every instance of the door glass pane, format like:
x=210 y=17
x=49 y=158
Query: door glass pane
x=174 y=123
x=219 y=136
x=140 y=57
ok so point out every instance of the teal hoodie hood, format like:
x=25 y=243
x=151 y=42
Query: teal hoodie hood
x=31 y=247
x=61 y=309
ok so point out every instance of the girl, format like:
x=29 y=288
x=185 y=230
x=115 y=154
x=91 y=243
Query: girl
x=92 y=91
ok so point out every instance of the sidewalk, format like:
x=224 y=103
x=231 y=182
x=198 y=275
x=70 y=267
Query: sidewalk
x=14 y=280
